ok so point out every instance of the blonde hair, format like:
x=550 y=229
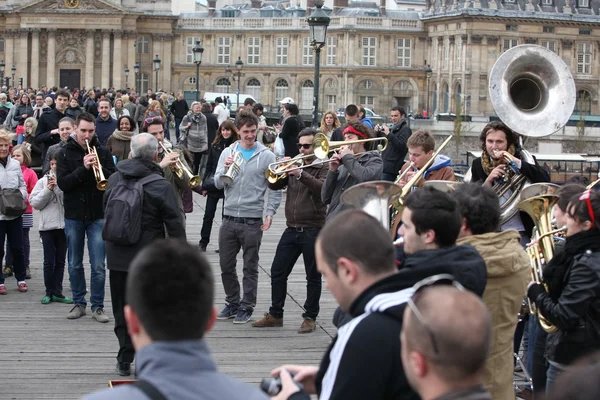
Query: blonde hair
x=25 y=152
x=125 y=99
x=336 y=120
x=34 y=124
x=6 y=135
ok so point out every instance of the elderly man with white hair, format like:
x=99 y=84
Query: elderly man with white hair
x=160 y=213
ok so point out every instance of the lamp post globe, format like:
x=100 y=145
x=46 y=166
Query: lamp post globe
x=156 y=63
x=126 y=77
x=428 y=73
x=318 y=22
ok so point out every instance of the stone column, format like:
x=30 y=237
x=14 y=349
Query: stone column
x=22 y=58
x=35 y=58
x=105 y=82
x=167 y=63
x=51 y=79
x=8 y=52
x=89 y=59
x=118 y=66
x=156 y=50
x=131 y=54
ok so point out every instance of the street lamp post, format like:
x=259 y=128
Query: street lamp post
x=318 y=22
x=156 y=62
x=126 y=78
x=428 y=73
x=136 y=70
x=2 y=66
x=228 y=75
x=239 y=64
x=198 y=50
x=14 y=71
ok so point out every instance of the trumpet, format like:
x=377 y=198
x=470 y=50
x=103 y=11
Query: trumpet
x=180 y=168
x=101 y=181
x=322 y=146
x=278 y=170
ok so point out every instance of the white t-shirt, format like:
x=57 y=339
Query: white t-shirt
x=221 y=112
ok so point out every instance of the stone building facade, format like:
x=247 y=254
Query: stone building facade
x=374 y=56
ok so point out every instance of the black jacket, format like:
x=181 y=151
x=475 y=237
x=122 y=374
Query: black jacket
x=73 y=112
x=160 y=212
x=23 y=109
x=289 y=134
x=463 y=262
x=208 y=180
x=179 y=109
x=47 y=122
x=212 y=126
x=81 y=198
x=393 y=155
x=366 y=352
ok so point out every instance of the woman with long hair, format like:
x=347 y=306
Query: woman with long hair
x=329 y=123
x=30 y=128
x=226 y=135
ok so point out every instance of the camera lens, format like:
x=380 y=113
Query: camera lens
x=271 y=386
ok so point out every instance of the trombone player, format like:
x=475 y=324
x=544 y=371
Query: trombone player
x=347 y=168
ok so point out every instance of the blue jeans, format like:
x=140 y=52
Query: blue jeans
x=554 y=370
x=76 y=232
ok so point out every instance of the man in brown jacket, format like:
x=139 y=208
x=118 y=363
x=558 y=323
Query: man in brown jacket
x=508 y=275
x=420 y=150
x=305 y=215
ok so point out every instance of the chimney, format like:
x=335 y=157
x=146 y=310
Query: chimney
x=212 y=7
x=310 y=4
x=382 y=7
x=256 y=3
x=339 y=4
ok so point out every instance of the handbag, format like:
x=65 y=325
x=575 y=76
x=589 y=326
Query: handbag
x=12 y=203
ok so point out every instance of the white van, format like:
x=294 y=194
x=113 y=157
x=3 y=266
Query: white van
x=211 y=96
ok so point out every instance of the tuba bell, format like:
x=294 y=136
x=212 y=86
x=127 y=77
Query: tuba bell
x=373 y=198
x=533 y=92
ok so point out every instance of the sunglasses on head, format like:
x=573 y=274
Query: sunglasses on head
x=304 y=146
x=435 y=280
x=151 y=120
x=585 y=196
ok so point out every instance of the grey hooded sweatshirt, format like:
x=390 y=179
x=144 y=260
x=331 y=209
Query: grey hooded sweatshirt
x=181 y=370
x=245 y=196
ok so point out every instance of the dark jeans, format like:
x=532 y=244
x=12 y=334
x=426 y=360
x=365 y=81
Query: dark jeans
x=294 y=242
x=55 y=252
x=177 y=123
x=388 y=177
x=167 y=133
x=118 y=281
x=234 y=236
x=13 y=231
x=538 y=373
x=209 y=217
x=26 y=250
x=554 y=371
x=197 y=167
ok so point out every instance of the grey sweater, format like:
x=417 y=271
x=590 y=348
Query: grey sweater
x=50 y=204
x=194 y=138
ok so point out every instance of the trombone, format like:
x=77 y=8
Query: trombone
x=279 y=169
x=101 y=181
x=322 y=146
x=180 y=168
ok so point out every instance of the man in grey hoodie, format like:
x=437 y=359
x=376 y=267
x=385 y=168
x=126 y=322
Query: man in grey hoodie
x=243 y=216
x=168 y=331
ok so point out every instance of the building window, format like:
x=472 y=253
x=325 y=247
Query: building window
x=223 y=50
x=192 y=80
x=254 y=50
x=511 y=28
x=367 y=84
x=144 y=82
x=307 y=53
x=404 y=53
x=585 y=31
x=458 y=48
x=583 y=105
x=223 y=85
x=306 y=101
x=253 y=88
x=189 y=45
x=331 y=102
x=547 y=29
x=142 y=45
x=281 y=89
x=369 y=45
x=282 y=45
x=509 y=44
x=367 y=101
x=584 y=58
x=228 y=13
x=331 y=50
x=549 y=44
x=583 y=3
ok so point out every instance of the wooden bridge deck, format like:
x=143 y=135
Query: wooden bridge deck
x=45 y=356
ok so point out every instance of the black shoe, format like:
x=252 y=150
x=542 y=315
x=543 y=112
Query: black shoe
x=123 y=368
x=203 y=247
x=217 y=250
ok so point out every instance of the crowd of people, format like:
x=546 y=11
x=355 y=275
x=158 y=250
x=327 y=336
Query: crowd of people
x=433 y=318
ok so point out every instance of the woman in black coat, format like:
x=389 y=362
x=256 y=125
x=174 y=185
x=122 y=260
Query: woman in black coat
x=572 y=302
x=24 y=110
x=226 y=135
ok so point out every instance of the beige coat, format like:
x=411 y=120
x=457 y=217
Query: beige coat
x=508 y=275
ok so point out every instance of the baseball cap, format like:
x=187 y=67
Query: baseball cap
x=287 y=100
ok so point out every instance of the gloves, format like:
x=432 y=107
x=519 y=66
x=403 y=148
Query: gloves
x=534 y=290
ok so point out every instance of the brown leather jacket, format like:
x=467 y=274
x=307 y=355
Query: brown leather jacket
x=303 y=206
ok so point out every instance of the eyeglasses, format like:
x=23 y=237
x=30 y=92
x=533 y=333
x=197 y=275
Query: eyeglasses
x=440 y=279
x=585 y=196
x=304 y=146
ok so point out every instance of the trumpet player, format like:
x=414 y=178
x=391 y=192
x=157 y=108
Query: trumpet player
x=346 y=170
x=243 y=224
x=305 y=215
x=84 y=212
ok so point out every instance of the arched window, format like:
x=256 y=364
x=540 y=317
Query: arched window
x=367 y=84
x=306 y=101
x=223 y=85
x=143 y=45
x=281 y=90
x=446 y=98
x=253 y=88
x=583 y=103
x=144 y=82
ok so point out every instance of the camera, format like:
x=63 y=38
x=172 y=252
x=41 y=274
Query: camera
x=272 y=386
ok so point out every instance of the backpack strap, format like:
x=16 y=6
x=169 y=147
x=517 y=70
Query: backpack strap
x=149 y=390
x=150 y=178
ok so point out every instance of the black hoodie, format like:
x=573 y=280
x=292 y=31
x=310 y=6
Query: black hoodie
x=48 y=121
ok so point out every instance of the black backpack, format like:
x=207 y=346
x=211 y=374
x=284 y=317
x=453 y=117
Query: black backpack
x=123 y=213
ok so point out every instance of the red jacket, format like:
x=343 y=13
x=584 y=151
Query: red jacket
x=31 y=179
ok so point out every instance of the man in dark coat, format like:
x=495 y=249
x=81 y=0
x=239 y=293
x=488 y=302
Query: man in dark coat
x=397 y=136
x=47 y=133
x=160 y=213
x=179 y=108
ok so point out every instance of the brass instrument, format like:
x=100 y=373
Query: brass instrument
x=180 y=169
x=443 y=186
x=411 y=167
x=533 y=93
x=234 y=169
x=591 y=185
x=537 y=201
x=322 y=146
x=279 y=169
x=373 y=198
x=101 y=181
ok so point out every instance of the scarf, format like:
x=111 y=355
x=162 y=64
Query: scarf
x=122 y=135
x=555 y=270
x=488 y=163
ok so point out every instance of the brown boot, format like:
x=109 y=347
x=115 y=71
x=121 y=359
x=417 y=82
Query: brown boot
x=308 y=326
x=268 y=321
